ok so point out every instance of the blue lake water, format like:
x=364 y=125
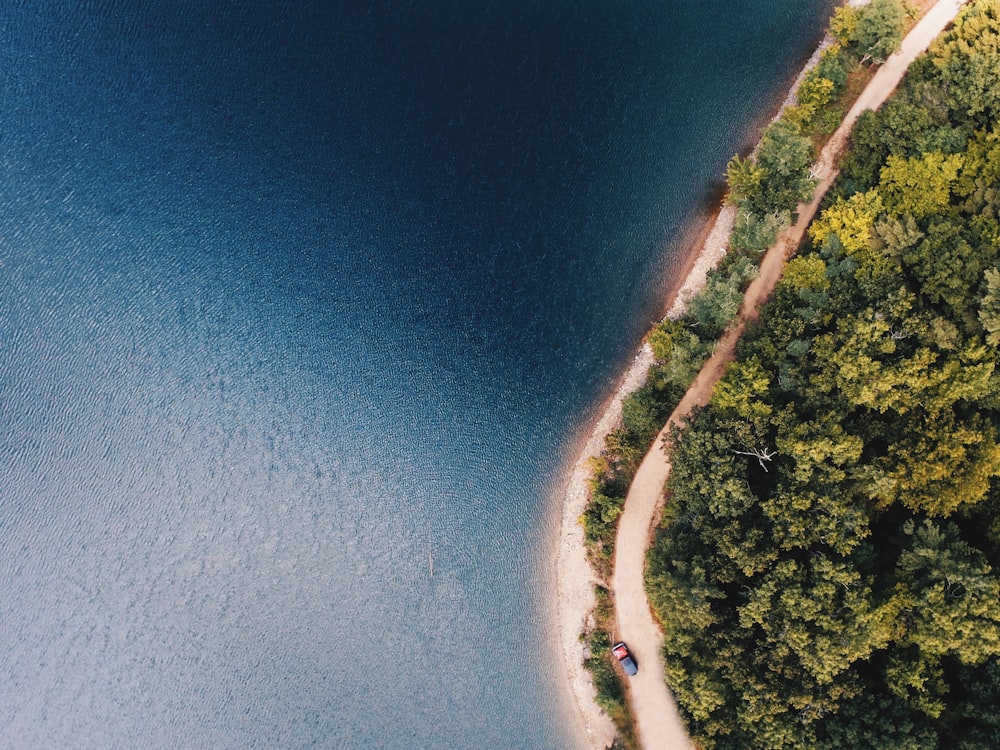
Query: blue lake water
x=302 y=308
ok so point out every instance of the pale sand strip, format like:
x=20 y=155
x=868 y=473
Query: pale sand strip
x=575 y=579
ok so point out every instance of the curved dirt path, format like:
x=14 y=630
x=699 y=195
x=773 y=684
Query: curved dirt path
x=657 y=720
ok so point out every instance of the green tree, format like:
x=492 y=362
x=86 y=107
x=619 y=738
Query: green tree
x=951 y=595
x=719 y=302
x=740 y=400
x=850 y=220
x=813 y=94
x=879 y=29
x=741 y=392
x=822 y=613
x=786 y=156
x=843 y=23
x=919 y=186
x=815 y=91
x=663 y=339
x=894 y=235
x=989 y=308
x=949 y=265
x=973 y=80
x=687 y=356
x=936 y=466
x=832 y=66
x=755 y=233
x=744 y=178
x=643 y=413
x=806 y=273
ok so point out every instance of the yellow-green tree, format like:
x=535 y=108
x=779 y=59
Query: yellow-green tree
x=919 y=186
x=850 y=220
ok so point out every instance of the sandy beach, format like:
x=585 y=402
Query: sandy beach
x=575 y=579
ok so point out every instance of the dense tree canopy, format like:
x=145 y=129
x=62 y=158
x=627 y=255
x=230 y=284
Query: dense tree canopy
x=879 y=28
x=828 y=565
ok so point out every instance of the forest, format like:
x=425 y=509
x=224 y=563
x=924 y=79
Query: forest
x=826 y=570
x=765 y=186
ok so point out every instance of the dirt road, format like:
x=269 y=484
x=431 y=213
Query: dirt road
x=656 y=714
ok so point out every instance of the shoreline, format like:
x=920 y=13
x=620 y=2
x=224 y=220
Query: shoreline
x=575 y=579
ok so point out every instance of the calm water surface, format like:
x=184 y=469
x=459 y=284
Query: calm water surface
x=301 y=305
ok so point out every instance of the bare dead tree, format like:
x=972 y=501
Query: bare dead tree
x=761 y=454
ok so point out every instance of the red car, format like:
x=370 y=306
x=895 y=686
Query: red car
x=620 y=650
